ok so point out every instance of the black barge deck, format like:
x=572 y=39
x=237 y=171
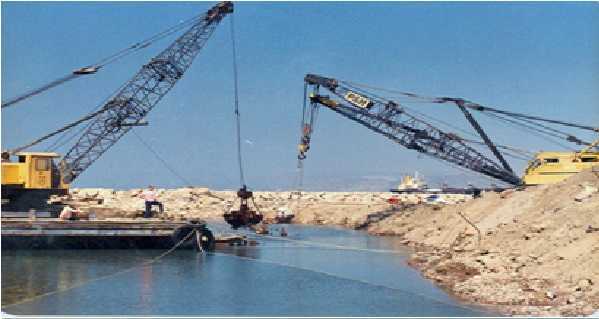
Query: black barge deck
x=113 y=233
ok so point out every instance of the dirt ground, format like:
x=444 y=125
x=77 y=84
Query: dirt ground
x=533 y=251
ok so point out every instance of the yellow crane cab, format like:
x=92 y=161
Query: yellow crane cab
x=552 y=167
x=28 y=182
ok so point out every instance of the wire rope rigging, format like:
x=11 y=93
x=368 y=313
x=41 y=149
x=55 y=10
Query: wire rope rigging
x=244 y=216
x=110 y=59
x=124 y=109
x=413 y=130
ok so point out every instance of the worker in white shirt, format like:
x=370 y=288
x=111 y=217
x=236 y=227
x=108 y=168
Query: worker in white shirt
x=151 y=198
x=69 y=213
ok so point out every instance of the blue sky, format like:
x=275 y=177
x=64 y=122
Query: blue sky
x=536 y=58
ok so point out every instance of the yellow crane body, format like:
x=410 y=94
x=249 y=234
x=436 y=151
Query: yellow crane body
x=33 y=170
x=28 y=182
x=552 y=167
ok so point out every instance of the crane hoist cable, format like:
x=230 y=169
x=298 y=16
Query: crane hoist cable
x=508 y=150
x=398 y=123
x=61 y=141
x=525 y=121
x=141 y=93
x=516 y=152
x=40 y=89
x=528 y=129
x=476 y=106
x=60 y=130
x=306 y=134
x=540 y=128
x=164 y=162
x=97 y=110
x=146 y=42
x=94 y=67
x=244 y=216
x=121 y=111
x=237 y=115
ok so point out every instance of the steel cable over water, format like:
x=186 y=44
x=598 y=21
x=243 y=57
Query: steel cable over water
x=332 y=246
x=407 y=292
x=159 y=257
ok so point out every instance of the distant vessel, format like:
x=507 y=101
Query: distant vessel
x=284 y=215
x=411 y=183
x=414 y=184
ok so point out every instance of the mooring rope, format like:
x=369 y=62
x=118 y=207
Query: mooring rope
x=83 y=283
x=332 y=246
x=310 y=243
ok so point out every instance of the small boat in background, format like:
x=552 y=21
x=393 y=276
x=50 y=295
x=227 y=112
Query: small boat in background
x=284 y=216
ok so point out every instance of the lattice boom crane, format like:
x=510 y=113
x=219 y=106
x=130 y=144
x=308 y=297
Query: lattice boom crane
x=138 y=96
x=27 y=183
x=393 y=121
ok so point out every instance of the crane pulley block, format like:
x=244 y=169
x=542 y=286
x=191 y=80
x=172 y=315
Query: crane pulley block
x=313 y=79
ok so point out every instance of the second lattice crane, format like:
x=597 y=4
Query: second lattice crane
x=401 y=125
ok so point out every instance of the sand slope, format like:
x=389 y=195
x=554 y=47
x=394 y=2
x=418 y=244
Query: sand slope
x=538 y=250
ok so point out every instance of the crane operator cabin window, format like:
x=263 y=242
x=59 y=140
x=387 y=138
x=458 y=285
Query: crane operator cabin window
x=42 y=164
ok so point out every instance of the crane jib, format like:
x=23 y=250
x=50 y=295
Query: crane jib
x=395 y=122
x=389 y=119
x=139 y=95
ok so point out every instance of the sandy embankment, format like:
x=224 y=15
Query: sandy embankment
x=538 y=251
x=534 y=251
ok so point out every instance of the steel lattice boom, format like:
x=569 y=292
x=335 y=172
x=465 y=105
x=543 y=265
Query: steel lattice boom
x=388 y=118
x=138 y=96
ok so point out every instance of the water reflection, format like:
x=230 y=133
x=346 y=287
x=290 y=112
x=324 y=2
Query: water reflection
x=278 y=277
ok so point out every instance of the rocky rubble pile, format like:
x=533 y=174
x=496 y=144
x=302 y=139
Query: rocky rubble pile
x=350 y=209
x=534 y=251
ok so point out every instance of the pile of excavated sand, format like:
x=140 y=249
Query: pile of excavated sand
x=535 y=250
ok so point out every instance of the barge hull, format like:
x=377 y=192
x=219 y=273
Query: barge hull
x=88 y=242
x=54 y=233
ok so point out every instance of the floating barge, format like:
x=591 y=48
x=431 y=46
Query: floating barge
x=113 y=233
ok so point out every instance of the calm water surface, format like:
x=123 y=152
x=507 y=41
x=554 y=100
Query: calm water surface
x=306 y=275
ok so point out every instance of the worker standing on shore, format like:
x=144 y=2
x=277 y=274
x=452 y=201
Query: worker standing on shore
x=151 y=198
